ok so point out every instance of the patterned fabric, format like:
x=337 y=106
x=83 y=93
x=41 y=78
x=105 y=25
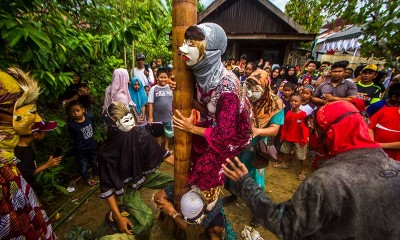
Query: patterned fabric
x=269 y=104
x=21 y=215
x=246 y=156
x=227 y=134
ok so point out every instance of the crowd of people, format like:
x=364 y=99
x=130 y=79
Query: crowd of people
x=345 y=121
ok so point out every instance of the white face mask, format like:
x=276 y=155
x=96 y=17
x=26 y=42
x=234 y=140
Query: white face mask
x=126 y=123
x=253 y=93
x=191 y=54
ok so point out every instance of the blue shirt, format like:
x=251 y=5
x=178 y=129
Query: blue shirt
x=82 y=133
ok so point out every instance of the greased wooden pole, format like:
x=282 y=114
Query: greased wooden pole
x=184 y=14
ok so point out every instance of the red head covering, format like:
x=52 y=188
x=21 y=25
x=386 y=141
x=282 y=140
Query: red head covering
x=345 y=128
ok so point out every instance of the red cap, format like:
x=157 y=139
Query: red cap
x=44 y=126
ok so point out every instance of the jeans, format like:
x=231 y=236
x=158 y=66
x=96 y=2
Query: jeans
x=85 y=158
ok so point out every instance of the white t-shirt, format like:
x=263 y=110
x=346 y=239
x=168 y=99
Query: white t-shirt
x=146 y=81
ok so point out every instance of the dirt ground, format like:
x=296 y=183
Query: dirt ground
x=280 y=185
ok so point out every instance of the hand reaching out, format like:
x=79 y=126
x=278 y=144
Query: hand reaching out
x=239 y=169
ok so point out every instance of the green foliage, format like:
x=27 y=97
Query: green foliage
x=79 y=233
x=50 y=38
x=50 y=182
x=379 y=20
x=307 y=13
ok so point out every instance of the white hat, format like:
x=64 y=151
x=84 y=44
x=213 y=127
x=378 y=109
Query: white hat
x=191 y=206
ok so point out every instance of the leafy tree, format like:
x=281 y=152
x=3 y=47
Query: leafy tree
x=379 y=20
x=53 y=37
x=45 y=37
x=307 y=13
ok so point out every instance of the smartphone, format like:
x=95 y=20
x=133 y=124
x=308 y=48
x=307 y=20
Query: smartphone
x=57 y=153
x=146 y=67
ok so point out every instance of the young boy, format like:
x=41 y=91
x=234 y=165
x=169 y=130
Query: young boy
x=367 y=89
x=25 y=154
x=295 y=135
x=393 y=100
x=81 y=129
x=160 y=108
x=288 y=90
x=307 y=106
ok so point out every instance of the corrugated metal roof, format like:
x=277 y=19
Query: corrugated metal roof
x=351 y=32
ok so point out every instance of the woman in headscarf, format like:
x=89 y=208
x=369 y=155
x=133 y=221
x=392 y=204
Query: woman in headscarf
x=21 y=214
x=139 y=97
x=275 y=80
x=118 y=91
x=268 y=114
x=225 y=130
x=290 y=75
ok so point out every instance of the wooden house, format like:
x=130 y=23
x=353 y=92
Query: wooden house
x=258 y=29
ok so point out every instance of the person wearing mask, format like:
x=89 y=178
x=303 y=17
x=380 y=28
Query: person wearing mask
x=350 y=196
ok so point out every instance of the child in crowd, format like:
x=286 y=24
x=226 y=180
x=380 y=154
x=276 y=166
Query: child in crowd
x=384 y=128
x=393 y=100
x=160 y=108
x=147 y=90
x=25 y=154
x=295 y=136
x=307 y=106
x=81 y=129
x=288 y=90
x=139 y=97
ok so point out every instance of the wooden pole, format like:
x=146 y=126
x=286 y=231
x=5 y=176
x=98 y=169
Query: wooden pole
x=126 y=66
x=133 y=55
x=184 y=14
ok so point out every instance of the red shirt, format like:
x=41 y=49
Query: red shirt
x=386 y=126
x=294 y=129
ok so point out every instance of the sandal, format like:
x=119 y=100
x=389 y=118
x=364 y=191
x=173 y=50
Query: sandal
x=92 y=182
x=302 y=176
x=281 y=165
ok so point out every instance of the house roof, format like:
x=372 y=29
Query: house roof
x=240 y=18
x=350 y=32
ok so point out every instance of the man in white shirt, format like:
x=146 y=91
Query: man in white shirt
x=143 y=72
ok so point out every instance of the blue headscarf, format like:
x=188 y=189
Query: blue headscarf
x=139 y=97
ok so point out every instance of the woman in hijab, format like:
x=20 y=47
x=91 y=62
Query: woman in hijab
x=139 y=97
x=225 y=130
x=275 y=80
x=269 y=115
x=118 y=91
x=290 y=75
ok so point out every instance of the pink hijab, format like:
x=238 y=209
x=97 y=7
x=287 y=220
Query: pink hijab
x=118 y=90
x=348 y=133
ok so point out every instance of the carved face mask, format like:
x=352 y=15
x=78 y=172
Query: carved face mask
x=191 y=53
x=126 y=123
x=253 y=92
x=24 y=117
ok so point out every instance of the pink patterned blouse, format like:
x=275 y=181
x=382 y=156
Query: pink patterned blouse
x=228 y=131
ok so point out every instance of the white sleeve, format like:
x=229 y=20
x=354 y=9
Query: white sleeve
x=150 y=98
x=150 y=79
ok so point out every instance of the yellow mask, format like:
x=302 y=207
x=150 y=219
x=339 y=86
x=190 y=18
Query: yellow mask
x=23 y=119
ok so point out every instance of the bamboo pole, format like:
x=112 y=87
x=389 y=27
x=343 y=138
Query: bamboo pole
x=126 y=66
x=184 y=14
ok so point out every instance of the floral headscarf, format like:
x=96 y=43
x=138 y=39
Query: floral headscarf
x=269 y=104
